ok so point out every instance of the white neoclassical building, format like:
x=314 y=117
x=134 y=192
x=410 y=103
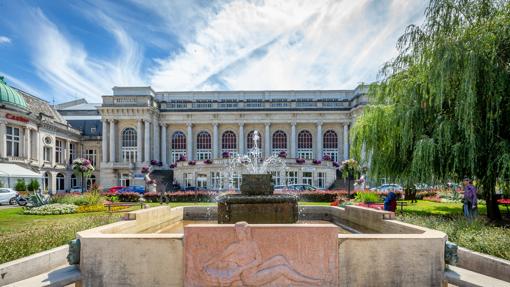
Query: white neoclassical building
x=140 y=125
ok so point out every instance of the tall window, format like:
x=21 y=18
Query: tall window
x=305 y=145
x=60 y=182
x=228 y=142
x=74 y=180
x=330 y=144
x=307 y=178
x=90 y=154
x=203 y=145
x=59 y=151
x=128 y=145
x=178 y=146
x=279 y=142
x=72 y=152
x=13 y=140
x=249 y=140
x=321 y=180
x=91 y=181
x=278 y=177
x=47 y=154
x=217 y=180
x=292 y=177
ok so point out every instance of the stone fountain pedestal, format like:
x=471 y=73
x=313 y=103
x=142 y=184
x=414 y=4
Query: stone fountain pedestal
x=257 y=203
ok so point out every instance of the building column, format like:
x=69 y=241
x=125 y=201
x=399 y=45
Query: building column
x=38 y=152
x=267 y=140
x=163 y=143
x=3 y=145
x=156 y=140
x=319 y=141
x=215 y=141
x=112 y=141
x=293 y=141
x=189 y=142
x=346 y=141
x=139 y=153
x=104 y=141
x=28 y=151
x=147 y=142
x=241 y=138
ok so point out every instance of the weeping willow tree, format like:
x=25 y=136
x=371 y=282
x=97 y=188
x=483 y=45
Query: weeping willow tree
x=442 y=108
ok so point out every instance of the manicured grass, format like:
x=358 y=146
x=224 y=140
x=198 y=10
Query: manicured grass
x=481 y=235
x=423 y=207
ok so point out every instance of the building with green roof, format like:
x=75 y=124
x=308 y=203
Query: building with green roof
x=9 y=96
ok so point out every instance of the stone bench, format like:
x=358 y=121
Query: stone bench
x=463 y=277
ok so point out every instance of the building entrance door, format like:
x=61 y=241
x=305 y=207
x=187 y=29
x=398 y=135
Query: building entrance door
x=202 y=181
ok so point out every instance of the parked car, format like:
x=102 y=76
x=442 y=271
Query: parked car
x=388 y=187
x=75 y=189
x=7 y=196
x=133 y=188
x=296 y=187
x=115 y=189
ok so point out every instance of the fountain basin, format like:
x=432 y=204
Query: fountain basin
x=121 y=254
x=276 y=208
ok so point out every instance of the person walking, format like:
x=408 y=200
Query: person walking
x=470 y=200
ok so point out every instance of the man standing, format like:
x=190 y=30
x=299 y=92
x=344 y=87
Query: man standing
x=470 y=200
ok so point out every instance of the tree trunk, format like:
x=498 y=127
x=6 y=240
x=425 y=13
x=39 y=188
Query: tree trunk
x=489 y=190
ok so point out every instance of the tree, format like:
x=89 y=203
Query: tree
x=442 y=108
x=20 y=185
x=33 y=185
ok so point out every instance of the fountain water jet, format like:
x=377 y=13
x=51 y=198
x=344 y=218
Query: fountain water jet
x=256 y=203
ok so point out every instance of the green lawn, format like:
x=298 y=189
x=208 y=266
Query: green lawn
x=29 y=234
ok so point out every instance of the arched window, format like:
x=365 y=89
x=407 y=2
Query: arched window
x=228 y=142
x=60 y=182
x=178 y=146
x=249 y=140
x=46 y=181
x=203 y=145
x=305 y=145
x=330 y=144
x=128 y=148
x=279 y=141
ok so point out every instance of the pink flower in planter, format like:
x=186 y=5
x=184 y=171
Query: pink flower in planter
x=300 y=160
x=208 y=161
x=316 y=161
x=282 y=154
x=326 y=157
x=192 y=162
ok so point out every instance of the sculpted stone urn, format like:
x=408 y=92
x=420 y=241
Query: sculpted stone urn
x=257 y=203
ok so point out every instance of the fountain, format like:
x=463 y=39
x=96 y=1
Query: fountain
x=257 y=203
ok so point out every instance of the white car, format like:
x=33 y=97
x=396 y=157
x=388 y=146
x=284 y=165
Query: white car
x=7 y=196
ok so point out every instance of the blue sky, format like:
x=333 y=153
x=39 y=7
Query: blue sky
x=60 y=50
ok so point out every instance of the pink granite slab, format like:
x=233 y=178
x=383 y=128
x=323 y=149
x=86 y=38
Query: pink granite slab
x=273 y=255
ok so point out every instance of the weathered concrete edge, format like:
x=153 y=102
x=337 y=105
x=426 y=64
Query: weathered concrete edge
x=33 y=265
x=484 y=264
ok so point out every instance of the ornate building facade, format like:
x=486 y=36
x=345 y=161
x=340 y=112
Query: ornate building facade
x=140 y=125
x=35 y=136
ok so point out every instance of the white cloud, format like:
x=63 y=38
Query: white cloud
x=67 y=67
x=288 y=45
x=5 y=40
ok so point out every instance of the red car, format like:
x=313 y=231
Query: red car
x=114 y=189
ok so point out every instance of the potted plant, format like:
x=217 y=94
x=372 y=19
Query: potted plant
x=316 y=161
x=300 y=160
x=172 y=165
x=84 y=167
x=183 y=158
x=336 y=164
x=225 y=154
x=326 y=157
x=282 y=154
x=208 y=161
x=192 y=162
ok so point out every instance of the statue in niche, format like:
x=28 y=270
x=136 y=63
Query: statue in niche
x=241 y=264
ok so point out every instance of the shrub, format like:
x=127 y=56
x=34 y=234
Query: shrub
x=366 y=196
x=87 y=198
x=33 y=185
x=49 y=209
x=319 y=196
x=190 y=196
x=20 y=185
x=128 y=197
x=151 y=196
x=426 y=193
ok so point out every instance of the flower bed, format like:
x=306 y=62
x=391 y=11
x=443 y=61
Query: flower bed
x=128 y=197
x=318 y=196
x=378 y=206
x=49 y=209
x=504 y=201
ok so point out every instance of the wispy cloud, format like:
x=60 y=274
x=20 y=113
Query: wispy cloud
x=288 y=45
x=5 y=40
x=67 y=67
